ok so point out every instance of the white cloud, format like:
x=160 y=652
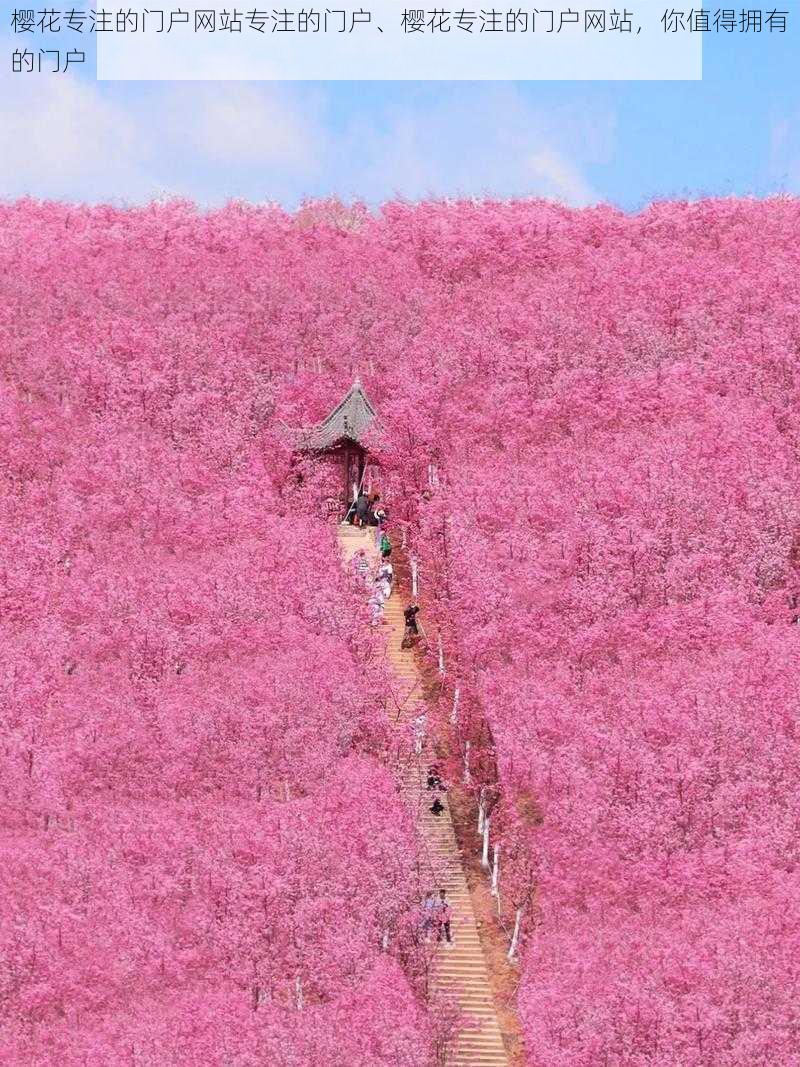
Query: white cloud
x=65 y=137
x=73 y=138
x=241 y=125
x=555 y=177
x=488 y=141
x=59 y=137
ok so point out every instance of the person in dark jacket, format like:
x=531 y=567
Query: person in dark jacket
x=411 y=633
x=362 y=509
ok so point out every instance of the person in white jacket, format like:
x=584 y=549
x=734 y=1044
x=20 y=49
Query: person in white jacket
x=384 y=578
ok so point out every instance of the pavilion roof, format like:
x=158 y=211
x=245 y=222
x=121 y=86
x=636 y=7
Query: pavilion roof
x=348 y=421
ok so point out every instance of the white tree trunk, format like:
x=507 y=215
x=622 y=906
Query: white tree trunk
x=454 y=712
x=420 y=727
x=441 y=655
x=467 y=777
x=414 y=581
x=496 y=871
x=481 y=812
x=385 y=941
x=515 y=936
x=485 y=856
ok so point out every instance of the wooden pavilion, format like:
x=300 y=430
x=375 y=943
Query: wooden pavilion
x=339 y=441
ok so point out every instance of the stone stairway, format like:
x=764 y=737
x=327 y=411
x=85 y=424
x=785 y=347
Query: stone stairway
x=459 y=970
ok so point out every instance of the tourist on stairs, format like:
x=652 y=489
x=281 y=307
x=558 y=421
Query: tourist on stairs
x=444 y=915
x=411 y=632
x=362 y=509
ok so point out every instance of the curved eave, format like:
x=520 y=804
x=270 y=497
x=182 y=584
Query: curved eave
x=314 y=442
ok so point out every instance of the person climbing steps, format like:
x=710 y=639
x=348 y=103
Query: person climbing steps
x=411 y=632
x=429 y=914
x=435 y=778
x=443 y=918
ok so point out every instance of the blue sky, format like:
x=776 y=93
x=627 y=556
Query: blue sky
x=736 y=132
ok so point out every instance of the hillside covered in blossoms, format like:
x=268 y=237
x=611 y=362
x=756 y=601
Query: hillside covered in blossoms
x=590 y=429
